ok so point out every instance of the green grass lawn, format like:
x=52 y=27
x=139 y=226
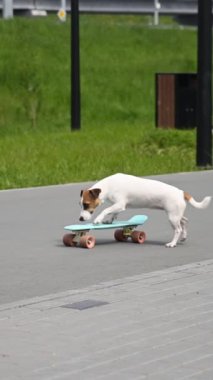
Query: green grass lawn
x=46 y=158
x=119 y=58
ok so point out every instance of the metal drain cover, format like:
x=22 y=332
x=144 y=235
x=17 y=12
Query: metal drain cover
x=86 y=304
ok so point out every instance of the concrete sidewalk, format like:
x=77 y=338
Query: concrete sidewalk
x=156 y=326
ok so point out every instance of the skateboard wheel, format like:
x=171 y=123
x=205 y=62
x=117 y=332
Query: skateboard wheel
x=138 y=237
x=87 y=241
x=119 y=235
x=68 y=240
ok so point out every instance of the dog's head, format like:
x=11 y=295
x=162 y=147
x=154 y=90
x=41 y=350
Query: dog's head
x=89 y=201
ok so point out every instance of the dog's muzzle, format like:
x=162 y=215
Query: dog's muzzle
x=85 y=215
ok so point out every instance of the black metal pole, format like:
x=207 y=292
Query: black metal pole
x=75 y=64
x=204 y=113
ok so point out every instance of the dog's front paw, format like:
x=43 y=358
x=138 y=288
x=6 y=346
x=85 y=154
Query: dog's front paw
x=109 y=220
x=98 y=220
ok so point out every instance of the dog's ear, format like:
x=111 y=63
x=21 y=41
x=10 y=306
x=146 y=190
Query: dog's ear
x=95 y=193
x=81 y=193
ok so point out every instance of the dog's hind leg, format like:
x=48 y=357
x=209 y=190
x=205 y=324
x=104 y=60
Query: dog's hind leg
x=176 y=218
x=183 y=223
x=175 y=221
x=177 y=234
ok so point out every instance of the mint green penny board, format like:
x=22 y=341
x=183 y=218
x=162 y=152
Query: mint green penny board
x=123 y=230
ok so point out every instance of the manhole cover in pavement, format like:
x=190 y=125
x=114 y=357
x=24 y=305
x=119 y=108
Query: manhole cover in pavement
x=86 y=304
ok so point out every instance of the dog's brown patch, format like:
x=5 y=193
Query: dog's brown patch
x=90 y=199
x=187 y=196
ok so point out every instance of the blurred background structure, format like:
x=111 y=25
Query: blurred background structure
x=180 y=8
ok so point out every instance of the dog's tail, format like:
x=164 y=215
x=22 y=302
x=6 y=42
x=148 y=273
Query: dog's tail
x=203 y=204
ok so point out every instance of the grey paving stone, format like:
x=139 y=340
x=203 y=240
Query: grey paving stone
x=154 y=326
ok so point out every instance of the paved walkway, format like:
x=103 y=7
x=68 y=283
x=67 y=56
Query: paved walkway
x=156 y=326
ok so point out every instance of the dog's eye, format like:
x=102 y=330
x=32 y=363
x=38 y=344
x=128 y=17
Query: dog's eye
x=85 y=206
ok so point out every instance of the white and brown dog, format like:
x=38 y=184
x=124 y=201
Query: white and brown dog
x=127 y=191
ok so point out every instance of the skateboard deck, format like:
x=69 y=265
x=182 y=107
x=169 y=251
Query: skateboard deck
x=123 y=230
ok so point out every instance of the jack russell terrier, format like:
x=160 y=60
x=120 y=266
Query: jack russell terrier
x=127 y=191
